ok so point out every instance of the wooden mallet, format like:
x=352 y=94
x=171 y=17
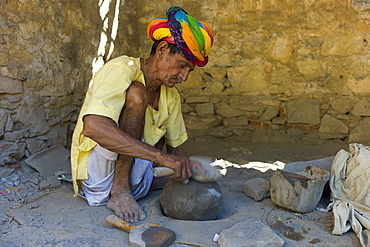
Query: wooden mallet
x=144 y=235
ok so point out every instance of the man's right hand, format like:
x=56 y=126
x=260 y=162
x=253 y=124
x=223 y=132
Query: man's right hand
x=180 y=164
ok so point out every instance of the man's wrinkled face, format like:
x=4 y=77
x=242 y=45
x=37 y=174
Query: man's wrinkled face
x=176 y=69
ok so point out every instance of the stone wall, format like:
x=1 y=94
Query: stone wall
x=279 y=70
x=46 y=50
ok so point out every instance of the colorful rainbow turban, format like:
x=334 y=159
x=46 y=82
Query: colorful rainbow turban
x=193 y=38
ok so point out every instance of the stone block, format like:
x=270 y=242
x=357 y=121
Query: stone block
x=303 y=111
x=342 y=45
x=225 y=110
x=197 y=99
x=331 y=126
x=269 y=114
x=205 y=110
x=281 y=49
x=232 y=122
x=3 y=118
x=341 y=105
x=249 y=233
x=361 y=108
x=257 y=188
x=280 y=76
x=249 y=78
x=361 y=133
x=311 y=69
x=191 y=201
x=9 y=85
x=195 y=122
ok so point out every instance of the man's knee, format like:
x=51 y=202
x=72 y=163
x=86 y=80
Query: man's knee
x=136 y=95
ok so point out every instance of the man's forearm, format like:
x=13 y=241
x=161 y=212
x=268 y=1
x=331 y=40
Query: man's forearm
x=104 y=131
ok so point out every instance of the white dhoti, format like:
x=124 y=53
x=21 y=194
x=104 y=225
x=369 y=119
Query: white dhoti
x=101 y=165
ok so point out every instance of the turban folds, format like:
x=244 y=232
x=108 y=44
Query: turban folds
x=193 y=38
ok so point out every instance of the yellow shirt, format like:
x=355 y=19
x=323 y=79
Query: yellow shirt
x=106 y=97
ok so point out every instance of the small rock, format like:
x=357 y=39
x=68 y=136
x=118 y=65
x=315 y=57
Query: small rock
x=12 y=180
x=192 y=201
x=249 y=233
x=257 y=188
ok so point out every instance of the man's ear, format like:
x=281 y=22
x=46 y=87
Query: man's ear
x=162 y=48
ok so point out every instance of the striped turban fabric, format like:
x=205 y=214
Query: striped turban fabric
x=193 y=38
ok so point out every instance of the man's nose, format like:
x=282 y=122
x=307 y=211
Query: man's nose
x=184 y=74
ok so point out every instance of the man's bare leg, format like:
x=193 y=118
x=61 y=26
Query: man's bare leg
x=132 y=122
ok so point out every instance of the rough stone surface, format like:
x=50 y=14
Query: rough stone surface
x=303 y=111
x=225 y=110
x=257 y=188
x=269 y=114
x=362 y=108
x=249 y=233
x=205 y=110
x=341 y=105
x=192 y=201
x=330 y=127
x=360 y=133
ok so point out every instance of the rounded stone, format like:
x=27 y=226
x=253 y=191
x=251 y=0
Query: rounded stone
x=191 y=201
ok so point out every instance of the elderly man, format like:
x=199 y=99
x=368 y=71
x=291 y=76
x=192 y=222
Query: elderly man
x=130 y=111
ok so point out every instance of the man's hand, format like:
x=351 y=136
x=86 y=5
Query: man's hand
x=178 y=160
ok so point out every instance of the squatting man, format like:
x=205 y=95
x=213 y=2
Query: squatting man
x=132 y=110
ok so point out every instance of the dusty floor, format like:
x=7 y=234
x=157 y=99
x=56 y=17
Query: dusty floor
x=55 y=218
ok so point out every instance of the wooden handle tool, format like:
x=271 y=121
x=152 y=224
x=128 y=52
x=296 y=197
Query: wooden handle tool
x=144 y=235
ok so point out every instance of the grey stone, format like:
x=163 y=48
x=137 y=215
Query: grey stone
x=269 y=114
x=361 y=133
x=11 y=151
x=195 y=122
x=232 y=122
x=257 y=188
x=9 y=85
x=205 y=110
x=3 y=118
x=249 y=233
x=225 y=110
x=186 y=108
x=341 y=105
x=299 y=192
x=14 y=135
x=35 y=146
x=220 y=132
x=197 y=99
x=331 y=127
x=191 y=201
x=303 y=111
x=32 y=115
x=361 y=108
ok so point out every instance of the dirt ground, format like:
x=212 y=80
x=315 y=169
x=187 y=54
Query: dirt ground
x=55 y=218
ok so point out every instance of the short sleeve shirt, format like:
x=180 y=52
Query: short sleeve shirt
x=106 y=97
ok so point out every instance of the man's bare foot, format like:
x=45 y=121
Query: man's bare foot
x=126 y=207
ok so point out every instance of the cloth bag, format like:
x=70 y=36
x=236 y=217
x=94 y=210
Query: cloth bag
x=350 y=184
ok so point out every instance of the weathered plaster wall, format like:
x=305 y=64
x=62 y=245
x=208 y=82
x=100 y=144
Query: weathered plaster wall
x=279 y=70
